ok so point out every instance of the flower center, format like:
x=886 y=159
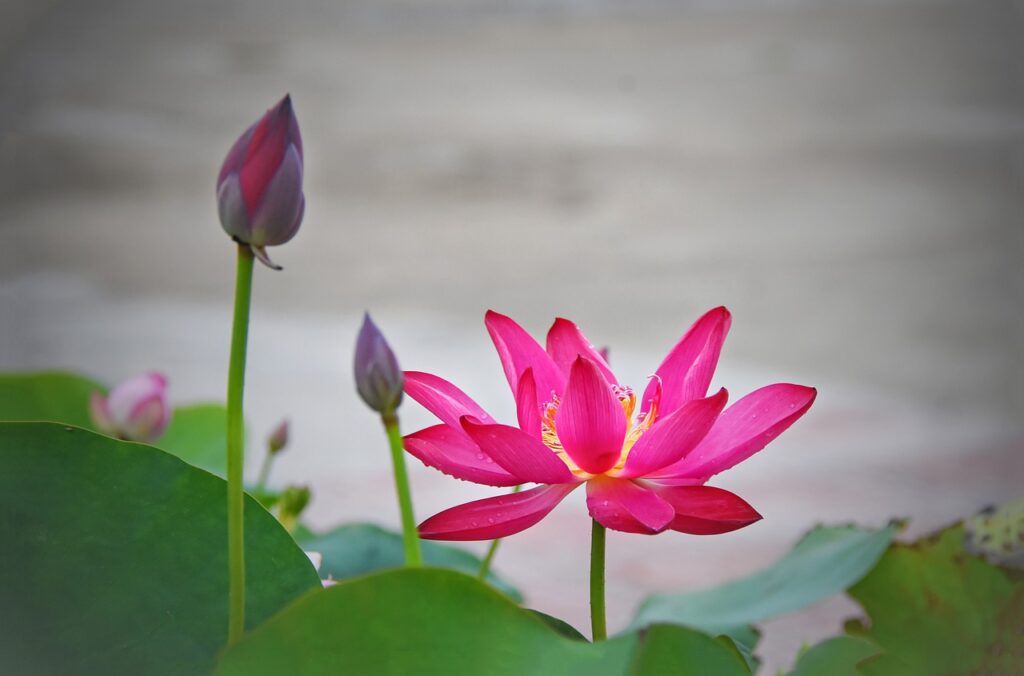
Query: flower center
x=627 y=398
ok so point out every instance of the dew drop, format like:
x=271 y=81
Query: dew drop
x=604 y=503
x=472 y=523
x=480 y=456
x=490 y=519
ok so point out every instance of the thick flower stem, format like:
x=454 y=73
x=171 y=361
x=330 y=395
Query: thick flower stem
x=485 y=565
x=597 y=619
x=410 y=536
x=236 y=453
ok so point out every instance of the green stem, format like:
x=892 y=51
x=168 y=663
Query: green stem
x=597 y=619
x=236 y=458
x=410 y=536
x=268 y=461
x=485 y=565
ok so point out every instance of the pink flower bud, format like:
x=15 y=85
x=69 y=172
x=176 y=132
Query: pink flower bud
x=259 y=189
x=135 y=410
x=278 y=439
x=379 y=380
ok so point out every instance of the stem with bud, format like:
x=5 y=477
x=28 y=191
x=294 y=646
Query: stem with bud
x=410 y=536
x=235 y=450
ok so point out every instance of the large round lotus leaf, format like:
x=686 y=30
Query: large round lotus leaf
x=435 y=622
x=424 y=621
x=56 y=396
x=114 y=557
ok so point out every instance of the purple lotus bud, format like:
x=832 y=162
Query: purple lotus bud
x=259 y=189
x=379 y=380
x=278 y=439
x=135 y=410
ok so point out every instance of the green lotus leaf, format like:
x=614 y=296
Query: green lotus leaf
x=114 y=557
x=934 y=608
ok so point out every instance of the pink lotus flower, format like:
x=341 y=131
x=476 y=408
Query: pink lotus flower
x=644 y=474
x=135 y=410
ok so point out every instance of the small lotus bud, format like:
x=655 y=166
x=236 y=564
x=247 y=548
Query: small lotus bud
x=259 y=189
x=278 y=439
x=291 y=504
x=135 y=410
x=379 y=380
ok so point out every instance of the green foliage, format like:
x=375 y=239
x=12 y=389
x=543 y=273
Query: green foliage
x=435 y=622
x=357 y=549
x=114 y=557
x=936 y=609
x=269 y=499
x=198 y=435
x=54 y=396
x=560 y=626
x=837 y=656
x=671 y=649
x=825 y=562
x=114 y=561
x=413 y=621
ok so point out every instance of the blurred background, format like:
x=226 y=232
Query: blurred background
x=847 y=177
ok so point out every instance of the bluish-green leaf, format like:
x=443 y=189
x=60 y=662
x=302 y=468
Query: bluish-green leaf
x=825 y=562
x=113 y=557
x=361 y=548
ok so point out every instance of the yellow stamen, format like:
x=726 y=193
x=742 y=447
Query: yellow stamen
x=627 y=398
x=643 y=423
x=550 y=437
